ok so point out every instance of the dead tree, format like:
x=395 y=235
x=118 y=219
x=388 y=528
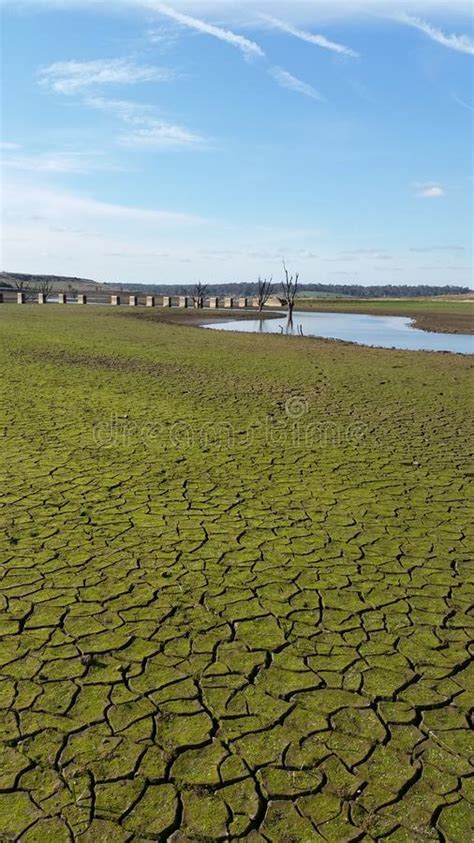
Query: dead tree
x=45 y=287
x=197 y=294
x=22 y=285
x=264 y=291
x=290 y=288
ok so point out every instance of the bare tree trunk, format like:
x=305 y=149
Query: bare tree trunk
x=46 y=288
x=264 y=291
x=290 y=288
x=197 y=295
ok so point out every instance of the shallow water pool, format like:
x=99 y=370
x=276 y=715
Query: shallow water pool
x=381 y=331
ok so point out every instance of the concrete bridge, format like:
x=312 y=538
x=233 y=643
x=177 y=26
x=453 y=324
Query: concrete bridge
x=135 y=300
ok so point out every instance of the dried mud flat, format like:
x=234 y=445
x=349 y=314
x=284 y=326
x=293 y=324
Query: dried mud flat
x=235 y=585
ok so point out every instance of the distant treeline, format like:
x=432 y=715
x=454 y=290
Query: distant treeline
x=19 y=280
x=385 y=290
x=353 y=290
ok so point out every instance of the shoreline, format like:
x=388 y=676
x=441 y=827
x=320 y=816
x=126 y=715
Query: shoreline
x=423 y=313
x=429 y=323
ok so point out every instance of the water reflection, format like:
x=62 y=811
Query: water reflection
x=382 y=331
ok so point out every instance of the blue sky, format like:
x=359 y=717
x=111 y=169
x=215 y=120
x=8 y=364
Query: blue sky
x=206 y=140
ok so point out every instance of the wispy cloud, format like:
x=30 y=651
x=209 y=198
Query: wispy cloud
x=462 y=103
x=318 y=40
x=45 y=203
x=161 y=135
x=429 y=190
x=460 y=43
x=70 y=77
x=60 y=162
x=287 y=80
x=164 y=36
x=149 y=131
x=127 y=212
x=249 y=48
x=126 y=110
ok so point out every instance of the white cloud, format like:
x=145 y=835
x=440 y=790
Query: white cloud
x=287 y=80
x=161 y=135
x=249 y=48
x=71 y=77
x=429 y=190
x=9 y=145
x=318 y=40
x=460 y=43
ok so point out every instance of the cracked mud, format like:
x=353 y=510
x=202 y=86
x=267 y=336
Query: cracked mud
x=265 y=637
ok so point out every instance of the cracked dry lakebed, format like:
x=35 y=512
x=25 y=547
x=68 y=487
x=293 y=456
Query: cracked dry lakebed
x=236 y=586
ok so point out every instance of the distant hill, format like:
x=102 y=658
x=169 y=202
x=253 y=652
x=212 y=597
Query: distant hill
x=59 y=283
x=66 y=284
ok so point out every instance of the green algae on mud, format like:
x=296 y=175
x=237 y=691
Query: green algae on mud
x=236 y=585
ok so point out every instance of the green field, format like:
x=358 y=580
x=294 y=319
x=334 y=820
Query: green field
x=235 y=586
